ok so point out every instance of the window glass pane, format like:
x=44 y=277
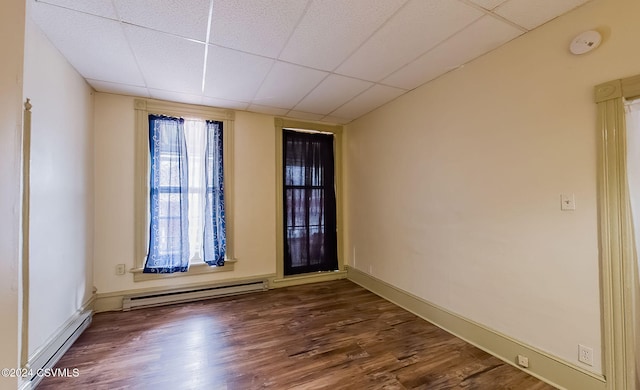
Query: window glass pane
x=316 y=207
x=169 y=230
x=168 y=204
x=168 y=173
x=168 y=139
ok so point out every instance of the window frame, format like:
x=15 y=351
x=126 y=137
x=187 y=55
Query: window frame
x=322 y=141
x=283 y=124
x=143 y=108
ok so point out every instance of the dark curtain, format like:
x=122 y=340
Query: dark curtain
x=310 y=231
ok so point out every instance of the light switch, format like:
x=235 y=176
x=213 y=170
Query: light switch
x=567 y=202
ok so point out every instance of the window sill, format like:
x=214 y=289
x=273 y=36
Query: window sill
x=196 y=269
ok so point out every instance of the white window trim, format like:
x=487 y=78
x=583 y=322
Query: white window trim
x=143 y=108
x=336 y=130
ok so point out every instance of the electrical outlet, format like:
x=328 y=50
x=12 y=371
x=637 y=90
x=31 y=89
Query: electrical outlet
x=121 y=269
x=370 y=269
x=523 y=361
x=585 y=354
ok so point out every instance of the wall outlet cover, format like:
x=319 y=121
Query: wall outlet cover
x=523 y=361
x=585 y=354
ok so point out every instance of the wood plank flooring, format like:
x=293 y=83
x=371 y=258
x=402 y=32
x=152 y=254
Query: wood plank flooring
x=333 y=335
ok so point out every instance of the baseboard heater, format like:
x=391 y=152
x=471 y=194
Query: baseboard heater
x=193 y=294
x=50 y=353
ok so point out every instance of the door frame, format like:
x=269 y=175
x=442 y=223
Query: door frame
x=617 y=245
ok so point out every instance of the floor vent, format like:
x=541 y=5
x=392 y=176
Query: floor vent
x=187 y=295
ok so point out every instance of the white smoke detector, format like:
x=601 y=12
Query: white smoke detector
x=585 y=42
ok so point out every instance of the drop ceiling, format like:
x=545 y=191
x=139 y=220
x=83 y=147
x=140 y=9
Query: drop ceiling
x=320 y=60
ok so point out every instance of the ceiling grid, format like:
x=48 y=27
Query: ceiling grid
x=321 y=60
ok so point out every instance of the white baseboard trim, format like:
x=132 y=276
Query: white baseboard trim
x=551 y=369
x=112 y=301
x=52 y=350
x=109 y=302
x=307 y=278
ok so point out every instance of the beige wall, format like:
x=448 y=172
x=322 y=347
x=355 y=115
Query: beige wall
x=454 y=189
x=12 y=43
x=254 y=179
x=61 y=207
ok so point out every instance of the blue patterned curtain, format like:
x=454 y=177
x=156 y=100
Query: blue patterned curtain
x=169 y=228
x=215 y=238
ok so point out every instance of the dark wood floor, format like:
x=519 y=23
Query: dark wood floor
x=333 y=335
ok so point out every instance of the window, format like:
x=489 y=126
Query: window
x=186 y=194
x=308 y=200
x=183 y=190
x=310 y=236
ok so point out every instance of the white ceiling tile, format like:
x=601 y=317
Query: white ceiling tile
x=333 y=29
x=95 y=7
x=175 y=96
x=168 y=62
x=120 y=89
x=307 y=116
x=488 y=4
x=335 y=120
x=157 y=49
x=222 y=103
x=417 y=27
x=482 y=36
x=187 y=18
x=267 y=110
x=333 y=92
x=256 y=26
x=96 y=47
x=286 y=84
x=531 y=14
x=234 y=75
x=368 y=101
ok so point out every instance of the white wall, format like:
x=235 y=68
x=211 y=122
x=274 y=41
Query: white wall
x=254 y=165
x=11 y=66
x=61 y=250
x=454 y=189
